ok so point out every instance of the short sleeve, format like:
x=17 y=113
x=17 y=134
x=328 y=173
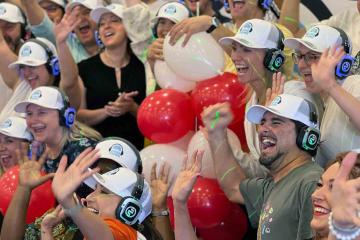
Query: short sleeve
x=119 y=230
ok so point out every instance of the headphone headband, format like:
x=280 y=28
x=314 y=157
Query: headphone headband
x=346 y=43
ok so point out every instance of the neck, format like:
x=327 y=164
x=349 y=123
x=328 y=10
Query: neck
x=54 y=146
x=92 y=49
x=260 y=90
x=290 y=162
x=116 y=57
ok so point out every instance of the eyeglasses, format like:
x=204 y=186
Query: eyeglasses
x=308 y=58
x=51 y=8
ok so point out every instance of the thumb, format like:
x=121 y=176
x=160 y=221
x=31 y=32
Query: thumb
x=346 y=166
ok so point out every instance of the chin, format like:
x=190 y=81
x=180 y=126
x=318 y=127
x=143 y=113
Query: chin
x=320 y=228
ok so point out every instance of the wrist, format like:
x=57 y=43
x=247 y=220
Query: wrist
x=162 y=213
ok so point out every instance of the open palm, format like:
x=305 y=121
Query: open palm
x=67 y=24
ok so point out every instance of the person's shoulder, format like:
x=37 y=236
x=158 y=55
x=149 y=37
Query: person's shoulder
x=310 y=172
x=89 y=61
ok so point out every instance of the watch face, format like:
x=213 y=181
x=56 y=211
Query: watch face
x=216 y=22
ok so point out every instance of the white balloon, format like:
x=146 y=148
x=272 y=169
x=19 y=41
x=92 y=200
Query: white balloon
x=161 y=153
x=199 y=142
x=183 y=142
x=166 y=78
x=200 y=59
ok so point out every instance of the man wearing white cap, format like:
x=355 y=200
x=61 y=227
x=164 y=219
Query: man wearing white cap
x=55 y=9
x=279 y=206
x=328 y=76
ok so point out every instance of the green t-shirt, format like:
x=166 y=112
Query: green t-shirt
x=282 y=210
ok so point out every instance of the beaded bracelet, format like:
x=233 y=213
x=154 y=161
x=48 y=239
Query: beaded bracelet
x=343 y=233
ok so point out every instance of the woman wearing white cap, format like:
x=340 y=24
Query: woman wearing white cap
x=121 y=201
x=111 y=109
x=13 y=132
x=55 y=9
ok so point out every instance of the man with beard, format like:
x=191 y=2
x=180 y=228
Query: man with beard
x=279 y=206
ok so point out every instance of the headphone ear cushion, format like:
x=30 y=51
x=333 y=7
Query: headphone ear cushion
x=128 y=210
x=274 y=59
x=308 y=139
x=69 y=116
x=55 y=66
x=154 y=29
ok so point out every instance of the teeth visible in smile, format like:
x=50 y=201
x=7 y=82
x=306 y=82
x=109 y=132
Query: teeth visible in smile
x=268 y=141
x=108 y=34
x=93 y=210
x=321 y=210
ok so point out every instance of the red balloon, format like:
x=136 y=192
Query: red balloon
x=166 y=116
x=234 y=227
x=41 y=200
x=208 y=205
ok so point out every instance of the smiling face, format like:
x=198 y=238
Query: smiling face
x=102 y=203
x=277 y=137
x=43 y=123
x=36 y=76
x=85 y=30
x=248 y=63
x=53 y=10
x=244 y=9
x=305 y=67
x=321 y=200
x=8 y=147
x=112 y=31
x=163 y=27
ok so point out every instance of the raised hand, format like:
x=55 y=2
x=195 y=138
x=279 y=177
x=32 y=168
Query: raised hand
x=159 y=186
x=276 y=89
x=66 y=181
x=52 y=219
x=123 y=104
x=155 y=50
x=68 y=23
x=30 y=175
x=323 y=71
x=217 y=117
x=186 y=179
x=345 y=197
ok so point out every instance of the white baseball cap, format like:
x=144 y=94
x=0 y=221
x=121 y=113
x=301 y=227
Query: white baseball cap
x=114 y=8
x=121 y=181
x=33 y=54
x=317 y=38
x=11 y=13
x=90 y=4
x=61 y=3
x=255 y=33
x=47 y=97
x=15 y=127
x=284 y=105
x=173 y=11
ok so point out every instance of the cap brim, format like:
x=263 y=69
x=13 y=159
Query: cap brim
x=154 y=20
x=11 y=20
x=91 y=181
x=256 y=113
x=229 y=40
x=295 y=43
x=21 y=107
x=97 y=12
x=74 y=4
x=27 y=62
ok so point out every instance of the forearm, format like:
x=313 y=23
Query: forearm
x=228 y=172
x=46 y=234
x=10 y=76
x=13 y=227
x=162 y=224
x=289 y=16
x=91 y=117
x=348 y=103
x=34 y=12
x=184 y=229
x=70 y=81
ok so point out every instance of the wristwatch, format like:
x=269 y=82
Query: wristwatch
x=214 y=24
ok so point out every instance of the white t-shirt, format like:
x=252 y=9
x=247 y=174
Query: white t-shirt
x=337 y=132
x=5 y=93
x=349 y=21
x=21 y=92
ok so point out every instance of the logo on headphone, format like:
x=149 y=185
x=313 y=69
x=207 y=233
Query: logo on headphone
x=130 y=212
x=313 y=32
x=312 y=139
x=116 y=150
x=345 y=67
x=276 y=101
x=6 y=124
x=26 y=51
x=170 y=9
x=278 y=62
x=247 y=28
x=35 y=95
x=2 y=10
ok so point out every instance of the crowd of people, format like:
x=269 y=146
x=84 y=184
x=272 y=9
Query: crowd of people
x=73 y=76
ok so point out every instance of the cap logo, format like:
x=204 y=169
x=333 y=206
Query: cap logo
x=313 y=32
x=35 y=95
x=276 y=101
x=116 y=150
x=2 y=10
x=170 y=10
x=26 y=51
x=6 y=124
x=312 y=139
x=247 y=28
x=111 y=7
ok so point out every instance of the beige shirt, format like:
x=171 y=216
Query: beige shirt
x=5 y=93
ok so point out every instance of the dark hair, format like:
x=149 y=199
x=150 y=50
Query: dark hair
x=355 y=171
